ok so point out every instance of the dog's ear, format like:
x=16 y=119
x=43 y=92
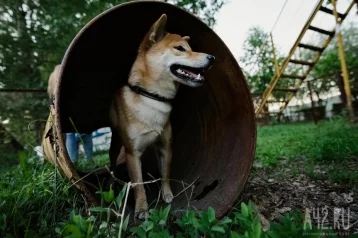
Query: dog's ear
x=157 y=31
x=187 y=38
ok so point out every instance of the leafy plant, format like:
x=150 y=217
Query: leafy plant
x=34 y=198
x=155 y=226
x=105 y=220
x=97 y=225
x=205 y=224
x=246 y=223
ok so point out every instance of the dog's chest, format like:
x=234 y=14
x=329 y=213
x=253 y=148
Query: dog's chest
x=149 y=124
x=149 y=115
x=154 y=115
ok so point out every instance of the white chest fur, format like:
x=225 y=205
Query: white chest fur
x=150 y=116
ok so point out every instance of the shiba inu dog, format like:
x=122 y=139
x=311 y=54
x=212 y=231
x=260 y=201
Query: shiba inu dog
x=140 y=110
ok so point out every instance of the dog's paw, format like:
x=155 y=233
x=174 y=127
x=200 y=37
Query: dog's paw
x=142 y=215
x=141 y=209
x=168 y=196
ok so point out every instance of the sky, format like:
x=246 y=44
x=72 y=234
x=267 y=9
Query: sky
x=236 y=17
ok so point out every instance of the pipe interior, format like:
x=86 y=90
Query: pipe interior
x=214 y=132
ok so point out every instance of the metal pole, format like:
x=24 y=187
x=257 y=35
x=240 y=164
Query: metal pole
x=342 y=57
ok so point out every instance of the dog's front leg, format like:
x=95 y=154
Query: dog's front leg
x=164 y=150
x=134 y=166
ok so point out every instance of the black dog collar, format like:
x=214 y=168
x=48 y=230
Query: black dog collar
x=143 y=92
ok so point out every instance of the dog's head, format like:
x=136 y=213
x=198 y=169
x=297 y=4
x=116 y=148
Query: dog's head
x=170 y=57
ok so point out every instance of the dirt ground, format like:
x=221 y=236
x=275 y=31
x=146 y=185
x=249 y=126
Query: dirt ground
x=322 y=202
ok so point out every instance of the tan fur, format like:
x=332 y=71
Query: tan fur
x=139 y=122
x=51 y=88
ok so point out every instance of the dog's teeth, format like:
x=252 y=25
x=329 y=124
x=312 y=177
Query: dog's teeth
x=181 y=71
x=198 y=77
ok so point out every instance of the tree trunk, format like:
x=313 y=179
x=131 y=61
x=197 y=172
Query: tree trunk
x=266 y=114
x=340 y=85
x=313 y=108
x=14 y=144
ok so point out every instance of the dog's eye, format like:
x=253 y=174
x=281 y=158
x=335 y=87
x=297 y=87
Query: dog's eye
x=180 y=48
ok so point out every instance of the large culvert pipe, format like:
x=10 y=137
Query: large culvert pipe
x=213 y=126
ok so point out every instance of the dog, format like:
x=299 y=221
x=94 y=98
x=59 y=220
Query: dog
x=140 y=110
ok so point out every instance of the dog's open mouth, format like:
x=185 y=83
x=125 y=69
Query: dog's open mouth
x=194 y=75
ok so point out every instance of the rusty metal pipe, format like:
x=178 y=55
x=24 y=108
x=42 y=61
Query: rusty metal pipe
x=214 y=132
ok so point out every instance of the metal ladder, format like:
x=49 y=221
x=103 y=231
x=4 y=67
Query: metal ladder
x=310 y=64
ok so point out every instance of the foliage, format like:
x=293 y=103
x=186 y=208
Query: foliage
x=205 y=10
x=35 y=34
x=288 y=227
x=155 y=226
x=99 y=223
x=33 y=199
x=9 y=147
x=241 y=224
x=259 y=63
x=22 y=117
x=36 y=202
x=258 y=57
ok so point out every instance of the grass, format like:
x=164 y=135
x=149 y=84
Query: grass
x=33 y=198
x=331 y=146
x=100 y=159
x=36 y=201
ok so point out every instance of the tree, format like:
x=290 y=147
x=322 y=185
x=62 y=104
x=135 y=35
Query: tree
x=34 y=35
x=204 y=9
x=259 y=63
x=258 y=59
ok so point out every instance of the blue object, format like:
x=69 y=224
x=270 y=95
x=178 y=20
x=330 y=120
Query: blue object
x=72 y=144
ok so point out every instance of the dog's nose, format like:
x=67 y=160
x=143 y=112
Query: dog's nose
x=211 y=58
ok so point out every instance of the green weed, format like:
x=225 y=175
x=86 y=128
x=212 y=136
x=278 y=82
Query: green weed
x=33 y=199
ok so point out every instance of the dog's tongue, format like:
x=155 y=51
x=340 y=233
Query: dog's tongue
x=194 y=75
